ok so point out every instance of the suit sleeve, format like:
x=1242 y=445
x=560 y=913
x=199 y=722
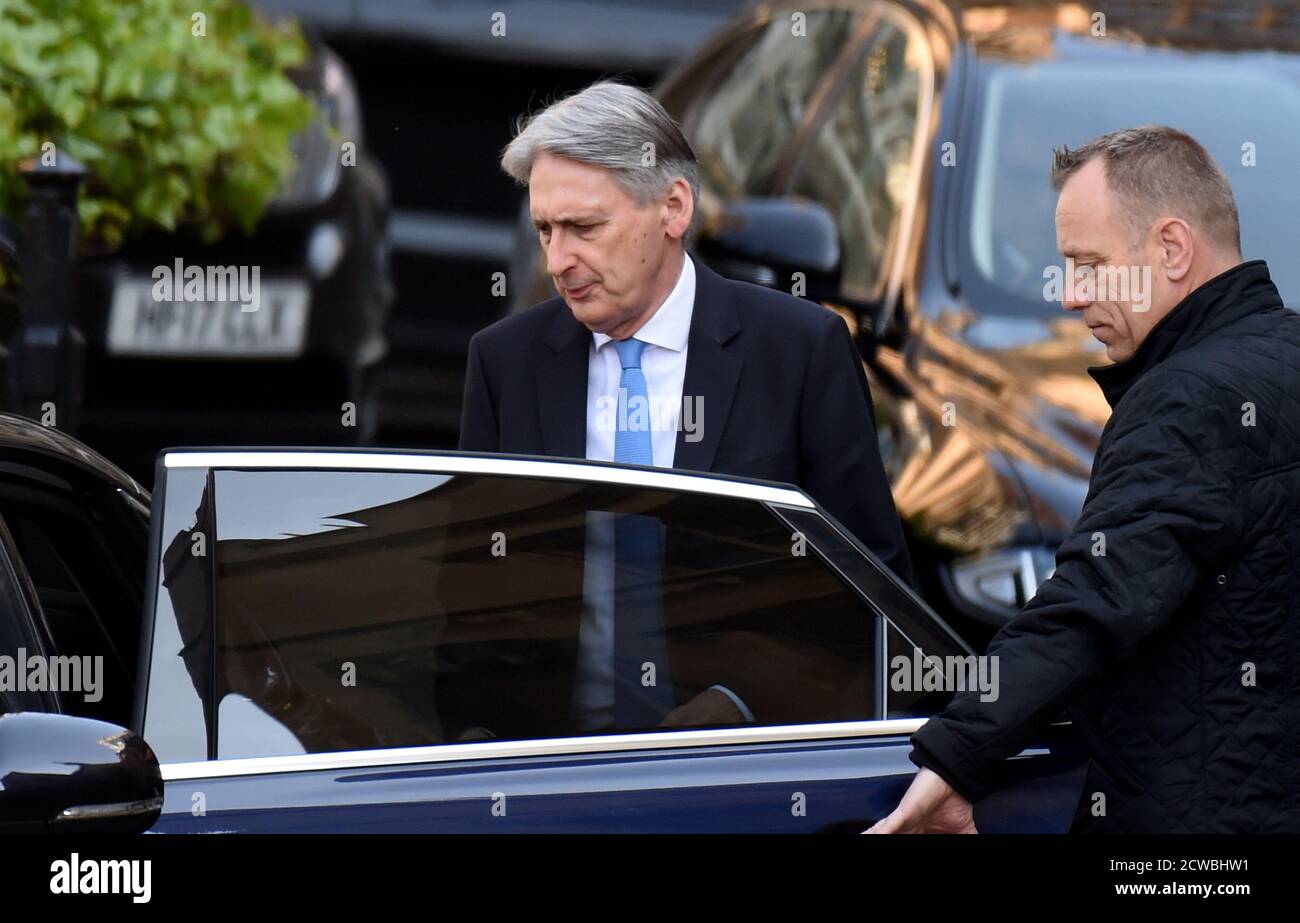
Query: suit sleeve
x=1162 y=500
x=839 y=456
x=478 y=419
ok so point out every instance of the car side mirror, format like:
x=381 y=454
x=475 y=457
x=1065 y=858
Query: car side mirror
x=767 y=241
x=60 y=773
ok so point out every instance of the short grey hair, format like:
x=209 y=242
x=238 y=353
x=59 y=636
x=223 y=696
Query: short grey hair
x=612 y=125
x=1155 y=170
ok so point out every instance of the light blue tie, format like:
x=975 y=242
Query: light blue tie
x=639 y=639
x=632 y=443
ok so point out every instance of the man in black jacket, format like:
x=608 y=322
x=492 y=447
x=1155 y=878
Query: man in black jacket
x=1171 y=627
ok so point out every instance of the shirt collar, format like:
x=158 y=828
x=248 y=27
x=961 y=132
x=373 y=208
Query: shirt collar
x=670 y=325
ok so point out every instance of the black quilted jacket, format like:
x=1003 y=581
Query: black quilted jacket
x=1177 y=650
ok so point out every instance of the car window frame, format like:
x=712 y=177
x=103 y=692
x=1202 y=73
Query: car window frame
x=769 y=494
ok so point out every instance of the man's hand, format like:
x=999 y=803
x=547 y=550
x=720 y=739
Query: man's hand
x=929 y=806
x=709 y=707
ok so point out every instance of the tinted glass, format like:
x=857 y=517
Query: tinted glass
x=17 y=638
x=912 y=631
x=362 y=609
x=1245 y=111
x=176 y=720
x=744 y=123
x=90 y=613
x=859 y=165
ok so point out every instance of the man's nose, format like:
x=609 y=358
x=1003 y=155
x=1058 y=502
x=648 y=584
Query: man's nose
x=1076 y=296
x=559 y=255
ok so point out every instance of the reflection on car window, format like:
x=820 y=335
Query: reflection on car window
x=180 y=660
x=906 y=695
x=476 y=608
x=16 y=634
x=860 y=163
x=742 y=128
x=86 y=613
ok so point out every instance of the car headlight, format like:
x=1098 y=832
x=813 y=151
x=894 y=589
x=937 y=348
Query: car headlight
x=993 y=587
x=316 y=150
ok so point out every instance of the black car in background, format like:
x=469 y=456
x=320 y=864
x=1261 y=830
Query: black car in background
x=163 y=373
x=897 y=155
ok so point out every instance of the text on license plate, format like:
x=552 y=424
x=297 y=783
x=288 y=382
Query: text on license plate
x=139 y=325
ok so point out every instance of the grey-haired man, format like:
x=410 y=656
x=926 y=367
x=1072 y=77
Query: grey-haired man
x=773 y=384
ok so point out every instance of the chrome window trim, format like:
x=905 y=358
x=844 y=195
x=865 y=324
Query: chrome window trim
x=658 y=479
x=559 y=746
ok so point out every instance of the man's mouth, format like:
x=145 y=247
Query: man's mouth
x=579 y=293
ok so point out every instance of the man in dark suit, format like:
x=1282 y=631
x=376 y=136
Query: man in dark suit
x=734 y=378
x=773 y=385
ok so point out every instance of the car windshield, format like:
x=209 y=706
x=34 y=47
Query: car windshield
x=1245 y=111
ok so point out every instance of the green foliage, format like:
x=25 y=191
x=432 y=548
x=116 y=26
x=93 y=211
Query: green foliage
x=177 y=129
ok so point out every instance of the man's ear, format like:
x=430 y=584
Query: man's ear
x=1176 y=247
x=678 y=209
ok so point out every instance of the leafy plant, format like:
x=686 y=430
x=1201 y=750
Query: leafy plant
x=182 y=112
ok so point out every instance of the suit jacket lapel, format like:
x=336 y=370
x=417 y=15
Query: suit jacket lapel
x=712 y=371
x=561 y=379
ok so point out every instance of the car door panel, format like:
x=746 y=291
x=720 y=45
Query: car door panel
x=283 y=754
x=801 y=787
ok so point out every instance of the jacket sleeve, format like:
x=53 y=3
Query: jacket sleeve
x=478 y=419
x=1160 y=515
x=839 y=461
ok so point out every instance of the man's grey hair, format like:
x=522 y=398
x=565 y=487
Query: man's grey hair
x=1159 y=171
x=611 y=125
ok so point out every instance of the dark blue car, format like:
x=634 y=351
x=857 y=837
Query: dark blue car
x=377 y=641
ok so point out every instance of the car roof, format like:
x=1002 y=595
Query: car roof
x=25 y=435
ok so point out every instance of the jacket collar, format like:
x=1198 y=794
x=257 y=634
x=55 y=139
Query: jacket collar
x=712 y=369
x=1220 y=302
x=712 y=373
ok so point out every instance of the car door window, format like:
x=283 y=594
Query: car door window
x=18 y=636
x=745 y=122
x=362 y=610
x=85 y=581
x=915 y=641
x=860 y=163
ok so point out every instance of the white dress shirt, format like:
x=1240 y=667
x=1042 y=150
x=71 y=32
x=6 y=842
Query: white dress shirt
x=663 y=362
